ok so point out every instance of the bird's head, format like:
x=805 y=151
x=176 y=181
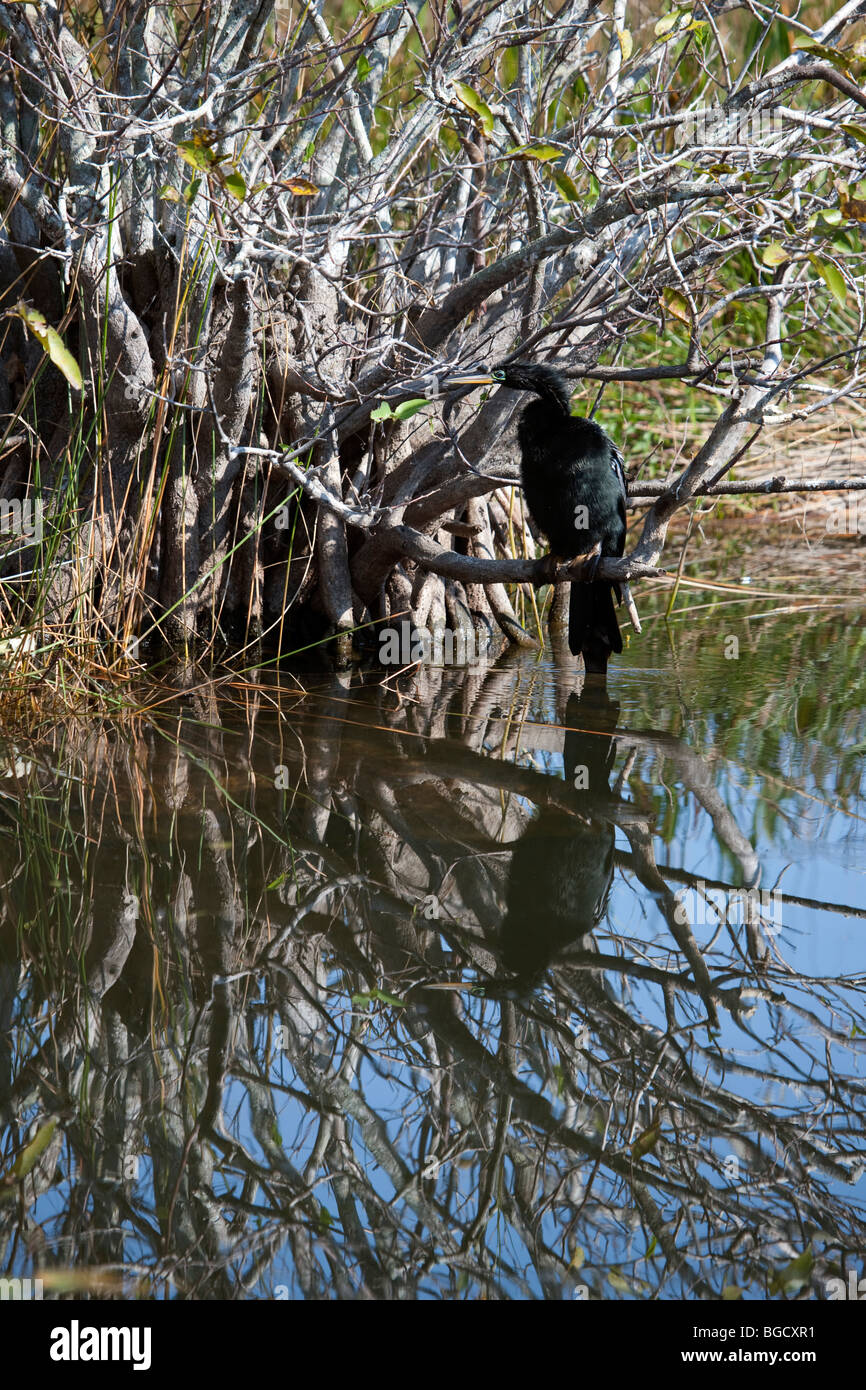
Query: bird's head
x=546 y=382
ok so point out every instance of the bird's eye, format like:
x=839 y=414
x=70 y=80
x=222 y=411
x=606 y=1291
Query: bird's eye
x=497 y=376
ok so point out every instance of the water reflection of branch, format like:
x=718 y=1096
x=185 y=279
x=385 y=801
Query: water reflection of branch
x=257 y=1029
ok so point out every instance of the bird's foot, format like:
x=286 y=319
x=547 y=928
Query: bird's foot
x=551 y=565
x=589 y=567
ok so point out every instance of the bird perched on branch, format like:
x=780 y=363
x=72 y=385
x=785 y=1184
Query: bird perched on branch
x=575 y=489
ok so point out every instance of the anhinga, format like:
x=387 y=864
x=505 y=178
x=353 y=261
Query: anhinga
x=574 y=484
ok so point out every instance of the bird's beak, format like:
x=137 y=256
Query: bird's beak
x=461 y=380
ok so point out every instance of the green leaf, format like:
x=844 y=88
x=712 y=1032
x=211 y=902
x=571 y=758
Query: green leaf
x=382 y=412
x=169 y=194
x=191 y=190
x=37 y=1146
x=406 y=409
x=730 y=1293
x=626 y=43
x=198 y=154
x=566 y=185
x=52 y=343
x=676 y=305
x=842 y=61
x=236 y=185
x=792 y=1278
x=668 y=23
x=616 y=1281
x=364 y=1001
x=833 y=279
x=375 y=6
x=774 y=254
x=476 y=104
x=825 y=223
x=646 y=1142
x=857 y=131
x=540 y=152
x=384 y=998
x=363 y=68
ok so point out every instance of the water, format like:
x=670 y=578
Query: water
x=473 y=986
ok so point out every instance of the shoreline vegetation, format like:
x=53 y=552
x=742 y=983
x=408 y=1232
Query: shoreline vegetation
x=236 y=264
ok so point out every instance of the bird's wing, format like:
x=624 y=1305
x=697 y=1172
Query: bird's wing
x=617 y=463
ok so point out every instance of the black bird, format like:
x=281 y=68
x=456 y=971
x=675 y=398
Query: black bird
x=574 y=483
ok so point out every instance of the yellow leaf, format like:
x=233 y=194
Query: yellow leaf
x=667 y=23
x=676 y=305
x=849 y=207
x=52 y=343
x=94 y=1280
x=539 y=152
x=626 y=43
x=302 y=188
x=774 y=254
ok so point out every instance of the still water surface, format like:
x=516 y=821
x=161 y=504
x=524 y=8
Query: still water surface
x=228 y=927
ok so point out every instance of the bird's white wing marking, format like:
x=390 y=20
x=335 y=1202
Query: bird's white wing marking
x=617 y=463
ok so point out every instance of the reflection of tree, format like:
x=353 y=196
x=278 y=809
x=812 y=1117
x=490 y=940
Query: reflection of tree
x=199 y=970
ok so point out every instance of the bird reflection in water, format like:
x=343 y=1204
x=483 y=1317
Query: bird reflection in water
x=562 y=866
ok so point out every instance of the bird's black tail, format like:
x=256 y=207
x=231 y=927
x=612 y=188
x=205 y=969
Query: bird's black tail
x=593 y=631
